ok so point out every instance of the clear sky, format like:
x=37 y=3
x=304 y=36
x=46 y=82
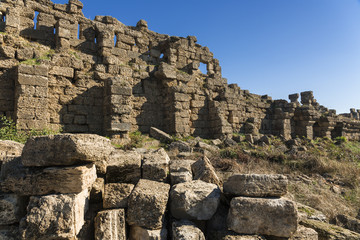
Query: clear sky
x=274 y=47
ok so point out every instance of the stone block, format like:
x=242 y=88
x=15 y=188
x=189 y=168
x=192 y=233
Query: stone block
x=195 y=200
x=12 y=208
x=147 y=204
x=124 y=167
x=180 y=146
x=32 y=80
x=66 y=149
x=139 y=233
x=230 y=235
x=62 y=71
x=10 y=149
x=117 y=194
x=160 y=135
x=97 y=191
x=256 y=185
x=110 y=225
x=185 y=229
x=180 y=171
x=256 y=216
x=41 y=181
x=203 y=170
x=304 y=233
x=55 y=216
x=348 y=222
x=156 y=165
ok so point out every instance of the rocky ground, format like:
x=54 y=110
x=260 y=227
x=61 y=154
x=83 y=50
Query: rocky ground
x=160 y=187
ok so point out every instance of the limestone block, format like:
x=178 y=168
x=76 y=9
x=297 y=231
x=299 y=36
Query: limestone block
x=328 y=231
x=230 y=235
x=303 y=233
x=62 y=71
x=67 y=149
x=97 y=191
x=147 y=204
x=203 y=170
x=7 y=51
x=156 y=165
x=124 y=167
x=139 y=233
x=207 y=147
x=257 y=216
x=256 y=185
x=348 y=222
x=32 y=80
x=12 y=208
x=29 y=182
x=55 y=216
x=166 y=71
x=117 y=194
x=185 y=229
x=9 y=232
x=10 y=149
x=160 y=135
x=180 y=171
x=180 y=146
x=195 y=200
x=110 y=225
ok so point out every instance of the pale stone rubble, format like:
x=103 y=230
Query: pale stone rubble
x=81 y=202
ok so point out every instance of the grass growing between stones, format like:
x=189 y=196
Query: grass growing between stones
x=9 y=131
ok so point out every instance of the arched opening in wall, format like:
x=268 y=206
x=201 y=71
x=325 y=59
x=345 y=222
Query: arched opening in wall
x=36 y=19
x=115 y=40
x=317 y=131
x=337 y=131
x=79 y=32
x=161 y=56
x=54 y=30
x=203 y=68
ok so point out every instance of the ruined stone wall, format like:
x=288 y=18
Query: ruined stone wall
x=107 y=78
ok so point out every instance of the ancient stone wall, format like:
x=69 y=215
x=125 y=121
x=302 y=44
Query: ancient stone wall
x=107 y=78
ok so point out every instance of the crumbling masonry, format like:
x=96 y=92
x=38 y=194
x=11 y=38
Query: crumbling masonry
x=59 y=69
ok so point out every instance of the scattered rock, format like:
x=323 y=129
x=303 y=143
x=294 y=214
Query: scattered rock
x=185 y=229
x=230 y=235
x=180 y=146
x=117 y=194
x=10 y=149
x=256 y=185
x=347 y=222
x=124 y=167
x=208 y=147
x=216 y=142
x=110 y=225
x=303 y=233
x=229 y=142
x=147 y=204
x=203 y=170
x=160 y=135
x=139 y=233
x=195 y=200
x=257 y=216
x=97 y=191
x=180 y=171
x=12 y=208
x=306 y=212
x=249 y=138
x=238 y=138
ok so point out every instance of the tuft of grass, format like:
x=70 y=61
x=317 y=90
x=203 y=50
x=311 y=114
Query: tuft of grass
x=37 y=61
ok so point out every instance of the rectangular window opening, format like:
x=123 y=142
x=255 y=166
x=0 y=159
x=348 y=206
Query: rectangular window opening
x=36 y=19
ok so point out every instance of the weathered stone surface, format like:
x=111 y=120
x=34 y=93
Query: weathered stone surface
x=229 y=235
x=12 y=208
x=160 y=135
x=185 y=229
x=124 y=167
x=207 y=147
x=306 y=212
x=203 y=170
x=66 y=149
x=10 y=149
x=180 y=171
x=195 y=200
x=347 y=222
x=303 y=233
x=139 y=233
x=156 y=165
x=147 y=204
x=256 y=185
x=166 y=71
x=117 y=194
x=257 y=216
x=328 y=231
x=31 y=181
x=97 y=191
x=55 y=216
x=110 y=225
x=180 y=146
x=9 y=232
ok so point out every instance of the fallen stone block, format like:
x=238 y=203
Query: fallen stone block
x=304 y=233
x=265 y=216
x=31 y=182
x=256 y=185
x=230 y=235
x=156 y=165
x=110 y=225
x=185 y=229
x=58 y=216
x=347 y=222
x=195 y=200
x=160 y=135
x=328 y=231
x=9 y=149
x=208 y=147
x=117 y=194
x=203 y=170
x=306 y=212
x=124 y=167
x=147 y=204
x=180 y=146
x=13 y=208
x=67 y=149
x=180 y=171
x=139 y=233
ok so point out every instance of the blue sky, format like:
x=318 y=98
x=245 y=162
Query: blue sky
x=274 y=47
